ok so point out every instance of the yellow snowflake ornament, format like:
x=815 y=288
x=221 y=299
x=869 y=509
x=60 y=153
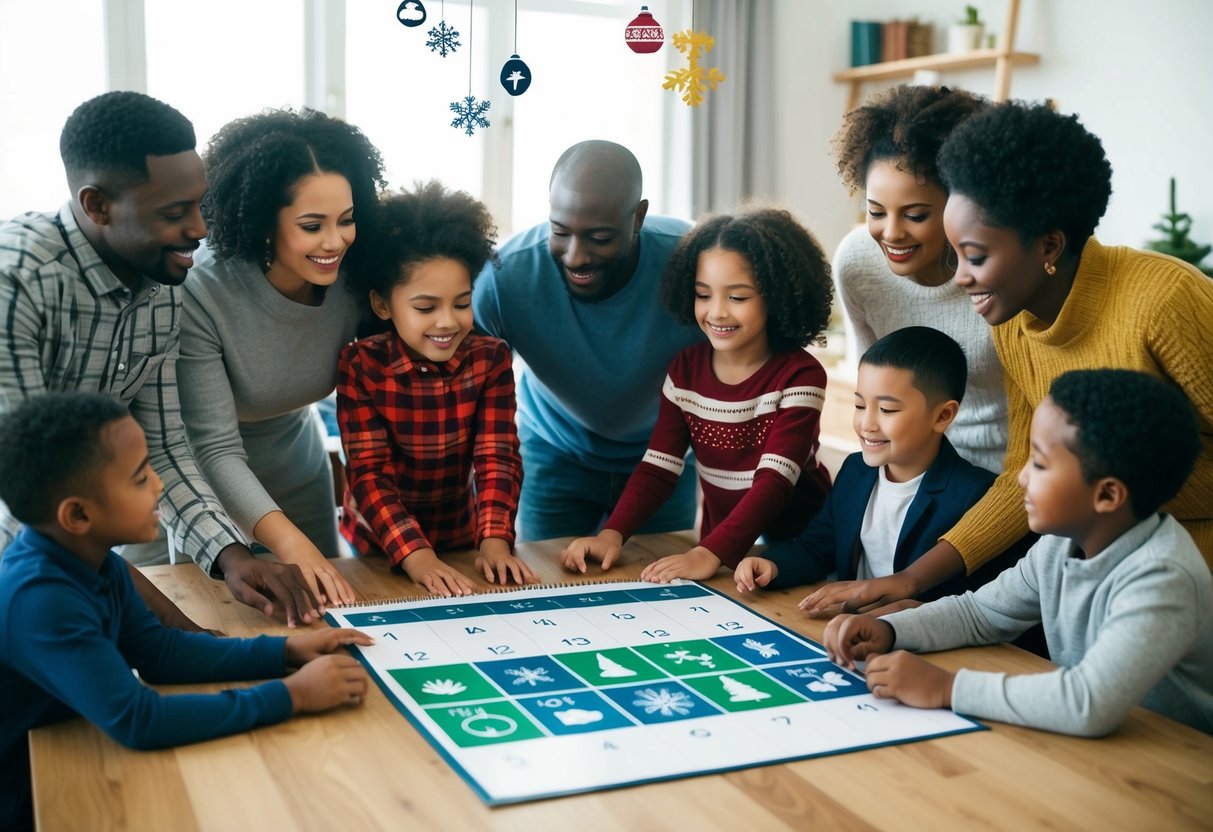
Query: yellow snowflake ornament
x=694 y=80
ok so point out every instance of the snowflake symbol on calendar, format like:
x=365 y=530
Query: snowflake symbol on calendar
x=443 y=39
x=667 y=702
x=470 y=114
x=529 y=675
x=766 y=651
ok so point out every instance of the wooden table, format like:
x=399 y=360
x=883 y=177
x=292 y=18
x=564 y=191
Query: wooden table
x=367 y=769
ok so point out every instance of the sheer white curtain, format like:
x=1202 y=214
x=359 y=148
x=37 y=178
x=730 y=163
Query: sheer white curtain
x=732 y=132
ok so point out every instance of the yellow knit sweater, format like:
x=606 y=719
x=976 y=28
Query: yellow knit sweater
x=1127 y=309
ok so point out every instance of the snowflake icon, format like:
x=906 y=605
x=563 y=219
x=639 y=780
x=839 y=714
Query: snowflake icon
x=766 y=651
x=443 y=39
x=470 y=114
x=668 y=703
x=529 y=675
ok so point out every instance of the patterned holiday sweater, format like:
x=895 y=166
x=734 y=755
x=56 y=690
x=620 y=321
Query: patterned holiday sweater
x=755 y=447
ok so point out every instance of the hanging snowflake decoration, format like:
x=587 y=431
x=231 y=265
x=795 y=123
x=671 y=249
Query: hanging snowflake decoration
x=694 y=80
x=470 y=114
x=443 y=39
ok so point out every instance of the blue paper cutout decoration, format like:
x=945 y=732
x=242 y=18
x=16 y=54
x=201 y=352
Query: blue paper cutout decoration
x=515 y=76
x=411 y=13
x=469 y=114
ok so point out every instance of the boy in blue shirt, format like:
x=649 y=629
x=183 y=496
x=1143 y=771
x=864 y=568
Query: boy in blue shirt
x=906 y=487
x=74 y=469
x=1125 y=597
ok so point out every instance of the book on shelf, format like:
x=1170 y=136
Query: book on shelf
x=866 y=36
x=894 y=40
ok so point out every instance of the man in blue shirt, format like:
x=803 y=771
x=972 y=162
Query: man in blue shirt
x=578 y=300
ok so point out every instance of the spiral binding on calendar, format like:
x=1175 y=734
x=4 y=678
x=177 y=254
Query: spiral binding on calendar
x=505 y=590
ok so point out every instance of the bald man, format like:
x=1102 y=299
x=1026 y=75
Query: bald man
x=578 y=299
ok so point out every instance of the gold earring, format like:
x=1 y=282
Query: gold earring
x=1050 y=269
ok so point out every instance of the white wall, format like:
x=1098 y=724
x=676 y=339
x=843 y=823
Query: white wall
x=1139 y=76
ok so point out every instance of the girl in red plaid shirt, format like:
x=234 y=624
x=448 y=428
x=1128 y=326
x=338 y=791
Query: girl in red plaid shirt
x=426 y=410
x=747 y=402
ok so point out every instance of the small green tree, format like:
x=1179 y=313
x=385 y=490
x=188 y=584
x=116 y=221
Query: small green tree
x=1177 y=243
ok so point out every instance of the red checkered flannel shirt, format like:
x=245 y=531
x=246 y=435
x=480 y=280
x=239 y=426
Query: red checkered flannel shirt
x=431 y=449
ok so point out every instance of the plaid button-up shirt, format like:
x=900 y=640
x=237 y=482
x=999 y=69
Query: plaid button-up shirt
x=432 y=449
x=68 y=323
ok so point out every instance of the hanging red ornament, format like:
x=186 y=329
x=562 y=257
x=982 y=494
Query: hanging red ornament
x=644 y=35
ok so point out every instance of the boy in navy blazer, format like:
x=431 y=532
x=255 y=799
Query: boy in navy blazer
x=905 y=488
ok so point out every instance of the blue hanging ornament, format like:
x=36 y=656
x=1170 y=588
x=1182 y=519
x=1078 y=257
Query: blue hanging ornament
x=443 y=39
x=411 y=13
x=515 y=76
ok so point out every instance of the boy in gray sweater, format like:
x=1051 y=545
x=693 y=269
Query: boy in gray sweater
x=1124 y=595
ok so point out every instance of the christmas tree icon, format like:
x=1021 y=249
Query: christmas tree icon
x=612 y=669
x=741 y=692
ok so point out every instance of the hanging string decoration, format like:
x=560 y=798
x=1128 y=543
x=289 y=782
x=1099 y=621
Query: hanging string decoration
x=515 y=74
x=411 y=13
x=644 y=34
x=443 y=39
x=469 y=113
x=693 y=80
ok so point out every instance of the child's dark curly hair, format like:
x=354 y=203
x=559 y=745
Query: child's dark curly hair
x=907 y=124
x=790 y=269
x=254 y=163
x=1030 y=169
x=117 y=131
x=414 y=226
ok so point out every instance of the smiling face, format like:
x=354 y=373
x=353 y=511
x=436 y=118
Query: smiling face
x=594 y=236
x=896 y=425
x=123 y=508
x=1057 y=497
x=729 y=308
x=431 y=309
x=313 y=234
x=151 y=228
x=905 y=216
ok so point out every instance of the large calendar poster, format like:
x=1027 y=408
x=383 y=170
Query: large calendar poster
x=546 y=691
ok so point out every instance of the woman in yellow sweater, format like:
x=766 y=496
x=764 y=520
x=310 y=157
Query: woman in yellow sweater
x=1028 y=187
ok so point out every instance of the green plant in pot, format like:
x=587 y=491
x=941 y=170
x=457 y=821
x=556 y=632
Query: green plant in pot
x=1177 y=243
x=965 y=34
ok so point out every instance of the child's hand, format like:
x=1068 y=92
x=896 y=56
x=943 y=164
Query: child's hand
x=305 y=647
x=605 y=547
x=698 y=564
x=327 y=682
x=437 y=577
x=754 y=572
x=858 y=596
x=852 y=638
x=911 y=680
x=496 y=561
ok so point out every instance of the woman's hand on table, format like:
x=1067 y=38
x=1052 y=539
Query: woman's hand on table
x=436 y=577
x=320 y=572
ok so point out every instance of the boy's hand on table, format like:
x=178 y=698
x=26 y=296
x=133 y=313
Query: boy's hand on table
x=306 y=647
x=852 y=638
x=327 y=682
x=754 y=572
x=254 y=582
x=858 y=596
x=438 y=578
x=326 y=583
x=910 y=679
x=605 y=547
x=498 y=564
x=697 y=564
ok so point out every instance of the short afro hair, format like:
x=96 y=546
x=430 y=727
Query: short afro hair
x=1030 y=169
x=907 y=125
x=115 y=133
x=1131 y=426
x=50 y=447
x=253 y=165
x=430 y=221
x=790 y=269
x=934 y=360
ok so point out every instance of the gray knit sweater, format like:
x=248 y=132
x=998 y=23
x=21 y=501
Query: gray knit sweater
x=1132 y=625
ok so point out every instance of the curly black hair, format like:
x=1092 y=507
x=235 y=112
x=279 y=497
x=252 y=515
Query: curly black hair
x=907 y=124
x=427 y=222
x=254 y=163
x=790 y=269
x=934 y=360
x=116 y=132
x=1131 y=426
x=1030 y=169
x=49 y=446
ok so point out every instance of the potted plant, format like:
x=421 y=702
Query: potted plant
x=965 y=35
x=1177 y=243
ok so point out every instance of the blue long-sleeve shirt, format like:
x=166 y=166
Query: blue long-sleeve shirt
x=69 y=638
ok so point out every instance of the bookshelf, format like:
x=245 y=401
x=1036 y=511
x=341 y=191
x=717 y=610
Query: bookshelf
x=1002 y=58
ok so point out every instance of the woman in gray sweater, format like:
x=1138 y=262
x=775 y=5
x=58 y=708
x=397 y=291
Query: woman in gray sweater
x=265 y=318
